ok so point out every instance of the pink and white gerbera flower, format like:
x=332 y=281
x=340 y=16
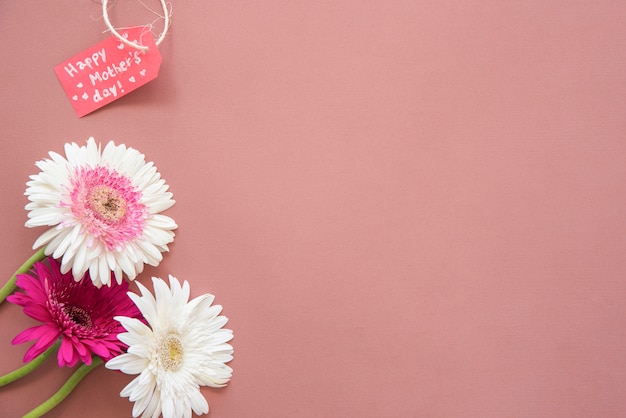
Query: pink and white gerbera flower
x=78 y=313
x=103 y=207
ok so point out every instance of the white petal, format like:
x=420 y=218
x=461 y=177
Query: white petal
x=45 y=238
x=198 y=403
x=154 y=256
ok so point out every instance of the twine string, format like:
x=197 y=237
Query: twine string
x=107 y=21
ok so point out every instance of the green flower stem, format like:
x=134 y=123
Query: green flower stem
x=29 y=367
x=65 y=390
x=9 y=287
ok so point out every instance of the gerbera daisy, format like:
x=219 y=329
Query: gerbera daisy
x=103 y=209
x=183 y=347
x=78 y=313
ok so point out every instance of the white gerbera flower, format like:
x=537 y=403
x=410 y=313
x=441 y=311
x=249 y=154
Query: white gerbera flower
x=184 y=347
x=103 y=209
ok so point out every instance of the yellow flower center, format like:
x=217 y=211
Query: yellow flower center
x=107 y=203
x=171 y=353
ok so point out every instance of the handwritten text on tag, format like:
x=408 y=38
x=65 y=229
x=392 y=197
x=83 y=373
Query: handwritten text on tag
x=109 y=70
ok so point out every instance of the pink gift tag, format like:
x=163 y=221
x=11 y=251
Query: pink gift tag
x=109 y=70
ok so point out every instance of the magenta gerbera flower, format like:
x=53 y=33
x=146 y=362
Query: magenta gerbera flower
x=78 y=313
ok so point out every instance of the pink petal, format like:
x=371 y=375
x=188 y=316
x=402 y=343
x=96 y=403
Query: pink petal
x=37 y=312
x=20 y=299
x=66 y=353
x=46 y=337
x=32 y=286
x=98 y=349
x=28 y=334
x=86 y=359
x=80 y=348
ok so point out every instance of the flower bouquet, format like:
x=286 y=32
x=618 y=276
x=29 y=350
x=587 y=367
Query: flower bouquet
x=102 y=208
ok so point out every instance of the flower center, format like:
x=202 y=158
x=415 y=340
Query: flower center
x=107 y=203
x=78 y=315
x=171 y=353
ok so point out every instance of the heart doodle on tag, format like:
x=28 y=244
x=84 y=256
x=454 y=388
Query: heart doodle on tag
x=108 y=70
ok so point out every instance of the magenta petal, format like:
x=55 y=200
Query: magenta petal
x=19 y=299
x=31 y=354
x=66 y=353
x=98 y=349
x=86 y=359
x=80 y=348
x=32 y=286
x=28 y=334
x=47 y=336
x=37 y=312
x=83 y=352
x=73 y=362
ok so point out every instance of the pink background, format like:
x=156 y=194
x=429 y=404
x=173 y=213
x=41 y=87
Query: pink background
x=406 y=208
